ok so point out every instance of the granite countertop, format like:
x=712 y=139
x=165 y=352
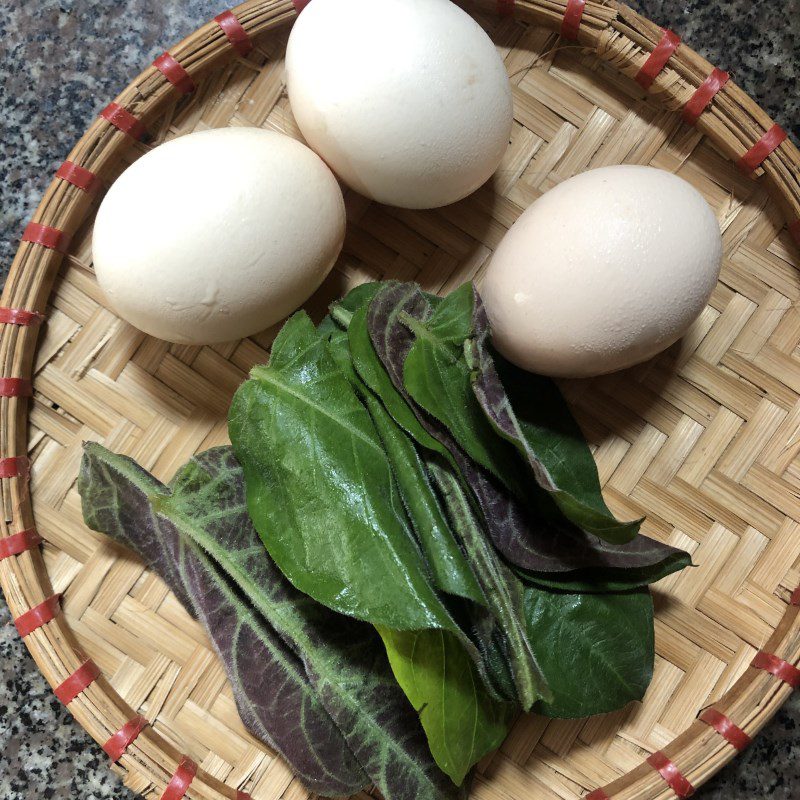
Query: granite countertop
x=60 y=63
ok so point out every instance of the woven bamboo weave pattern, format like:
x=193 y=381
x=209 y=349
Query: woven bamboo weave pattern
x=704 y=440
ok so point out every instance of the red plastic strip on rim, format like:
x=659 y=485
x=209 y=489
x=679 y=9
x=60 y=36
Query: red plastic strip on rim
x=671 y=774
x=52 y=238
x=39 y=615
x=703 y=96
x=78 y=682
x=123 y=120
x=181 y=780
x=726 y=728
x=15 y=467
x=124 y=737
x=658 y=59
x=505 y=8
x=300 y=4
x=759 y=152
x=235 y=32
x=174 y=73
x=243 y=796
x=782 y=670
x=597 y=794
x=795 y=599
x=19 y=316
x=794 y=231
x=572 y=19
x=19 y=543
x=15 y=387
x=78 y=176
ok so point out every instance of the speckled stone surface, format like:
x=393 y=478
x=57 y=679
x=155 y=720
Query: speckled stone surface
x=60 y=63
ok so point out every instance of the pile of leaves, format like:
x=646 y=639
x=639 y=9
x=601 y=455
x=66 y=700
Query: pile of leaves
x=405 y=546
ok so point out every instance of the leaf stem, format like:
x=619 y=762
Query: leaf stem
x=341 y=315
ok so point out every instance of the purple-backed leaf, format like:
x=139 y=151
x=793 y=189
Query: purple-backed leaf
x=276 y=701
x=342 y=661
x=534 y=542
x=502 y=589
x=344 y=658
x=529 y=411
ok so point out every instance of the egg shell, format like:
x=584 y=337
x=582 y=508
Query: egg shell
x=602 y=272
x=217 y=235
x=408 y=101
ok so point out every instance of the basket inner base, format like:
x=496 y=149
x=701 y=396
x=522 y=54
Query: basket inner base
x=703 y=439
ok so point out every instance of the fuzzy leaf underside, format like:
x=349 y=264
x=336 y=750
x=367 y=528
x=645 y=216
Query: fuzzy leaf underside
x=274 y=697
x=529 y=412
x=342 y=660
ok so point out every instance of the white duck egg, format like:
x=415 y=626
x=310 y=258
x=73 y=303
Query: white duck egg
x=408 y=101
x=602 y=272
x=217 y=235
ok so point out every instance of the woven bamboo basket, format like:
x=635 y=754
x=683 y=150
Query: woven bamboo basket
x=704 y=440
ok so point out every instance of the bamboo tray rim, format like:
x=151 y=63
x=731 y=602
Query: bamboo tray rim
x=616 y=34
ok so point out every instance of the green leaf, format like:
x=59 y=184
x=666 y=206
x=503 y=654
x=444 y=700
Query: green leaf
x=341 y=659
x=501 y=588
x=596 y=650
x=536 y=542
x=358 y=297
x=276 y=701
x=461 y=720
x=529 y=411
x=372 y=371
x=438 y=378
x=450 y=569
x=320 y=490
x=342 y=310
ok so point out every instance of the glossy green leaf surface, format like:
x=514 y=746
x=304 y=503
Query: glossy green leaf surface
x=462 y=721
x=320 y=490
x=596 y=650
